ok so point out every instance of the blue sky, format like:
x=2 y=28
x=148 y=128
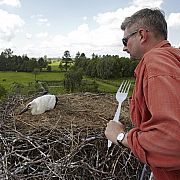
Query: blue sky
x=49 y=27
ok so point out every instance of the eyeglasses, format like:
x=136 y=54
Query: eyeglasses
x=125 y=39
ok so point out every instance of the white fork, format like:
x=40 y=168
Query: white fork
x=121 y=95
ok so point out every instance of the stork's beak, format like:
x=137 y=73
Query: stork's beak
x=24 y=110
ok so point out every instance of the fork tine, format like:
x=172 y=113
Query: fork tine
x=125 y=86
x=121 y=86
x=128 y=87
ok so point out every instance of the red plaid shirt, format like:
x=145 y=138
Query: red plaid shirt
x=155 y=111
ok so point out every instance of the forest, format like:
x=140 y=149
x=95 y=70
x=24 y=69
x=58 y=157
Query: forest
x=104 y=67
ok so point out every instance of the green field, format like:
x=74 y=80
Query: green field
x=111 y=86
x=54 y=65
x=8 y=78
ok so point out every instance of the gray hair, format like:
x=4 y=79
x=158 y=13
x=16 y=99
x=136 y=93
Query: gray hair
x=151 y=19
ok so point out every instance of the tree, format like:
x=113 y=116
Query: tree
x=105 y=68
x=7 y=53
x=32 y=63
x=67 y=54
x=36 y=72
x=83 y=56
x=77 y=55
x=2 y=62
x=42 y=63
x=94 y=56
x=73 y=79
x=60 y=65
x=66 y=59
x=26 y=64
x=91 y=69
x=49 y=68
x=45 y=57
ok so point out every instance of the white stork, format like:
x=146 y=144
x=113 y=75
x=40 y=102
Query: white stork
x=41 y=104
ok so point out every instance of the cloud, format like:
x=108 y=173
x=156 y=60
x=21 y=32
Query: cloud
x=43 y=21
x=42 y=35
x=40 y=20
x=14 y=3
x=36 y=16
x=80 y=36
x=85 y=18
x=147 y=3
x=11 y=24
x=105 y=38
x=174 y=28
x=28 y=35
x=173 y=20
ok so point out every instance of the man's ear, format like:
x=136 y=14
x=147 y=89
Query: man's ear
x=143 y=33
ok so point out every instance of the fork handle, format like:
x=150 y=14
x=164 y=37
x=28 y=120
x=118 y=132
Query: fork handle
x=109 y=143
x=117 y=114
x=116 y=118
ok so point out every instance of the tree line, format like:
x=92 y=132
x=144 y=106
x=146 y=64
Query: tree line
x=106 y=66
x=103 y=67
x=10 y=62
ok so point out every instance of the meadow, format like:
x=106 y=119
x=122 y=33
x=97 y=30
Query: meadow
x=8 y=78
x=104 y=86
x=54 y=65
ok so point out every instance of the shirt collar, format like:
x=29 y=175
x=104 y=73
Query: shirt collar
x=163 y=43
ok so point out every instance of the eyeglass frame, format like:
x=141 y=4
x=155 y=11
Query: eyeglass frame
x=125 y=39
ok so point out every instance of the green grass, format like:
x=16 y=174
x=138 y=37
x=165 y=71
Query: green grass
x=103 y=86
x=56 y=90
x=8 y=78
x=54 y=65
x=111 y=86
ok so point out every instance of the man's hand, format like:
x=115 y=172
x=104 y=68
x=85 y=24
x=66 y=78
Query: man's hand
x=113 y=129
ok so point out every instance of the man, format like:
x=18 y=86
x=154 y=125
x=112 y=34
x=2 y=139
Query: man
x=155 y=103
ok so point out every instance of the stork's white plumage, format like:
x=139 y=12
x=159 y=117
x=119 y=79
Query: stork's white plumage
x=41 y=104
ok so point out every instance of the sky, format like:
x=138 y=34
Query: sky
x=50 y=27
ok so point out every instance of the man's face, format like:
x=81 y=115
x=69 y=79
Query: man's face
x=130 y=42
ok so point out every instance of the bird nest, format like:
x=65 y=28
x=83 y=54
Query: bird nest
x=65 y=143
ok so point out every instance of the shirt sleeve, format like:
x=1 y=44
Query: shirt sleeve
x=157 y=141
